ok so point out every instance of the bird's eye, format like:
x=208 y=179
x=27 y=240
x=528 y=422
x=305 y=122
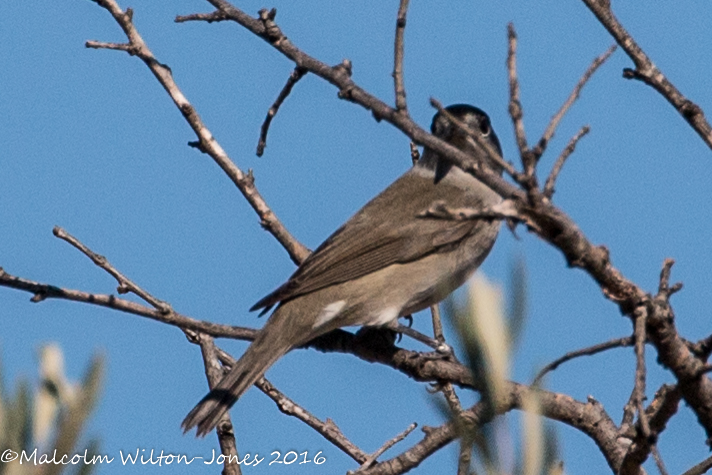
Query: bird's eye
x=485 y=127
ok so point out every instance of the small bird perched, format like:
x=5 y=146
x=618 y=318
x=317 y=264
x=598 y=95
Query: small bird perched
x=386 y=262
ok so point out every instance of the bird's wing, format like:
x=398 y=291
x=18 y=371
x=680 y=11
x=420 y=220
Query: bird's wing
x=361 y=247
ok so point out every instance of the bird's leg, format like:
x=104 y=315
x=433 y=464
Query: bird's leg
x=440 y=348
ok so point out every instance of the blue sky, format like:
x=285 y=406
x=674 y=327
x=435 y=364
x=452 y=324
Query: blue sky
x=92 y=143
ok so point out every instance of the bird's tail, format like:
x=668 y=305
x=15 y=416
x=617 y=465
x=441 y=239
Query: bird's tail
x=268 y=347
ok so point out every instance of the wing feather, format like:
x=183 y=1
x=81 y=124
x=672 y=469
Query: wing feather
x=358 y=248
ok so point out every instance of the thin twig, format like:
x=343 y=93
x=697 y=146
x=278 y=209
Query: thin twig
x=224 y=429
x=207 y=142
x=374 y=456
x=217 y=15
x=665 y=290
x=401 y=104
x=437 y=323
x=294 y=77
x=701 y=468
x=640 y=315
x=659 y=460
x=635 y=457
x=515 y=105
x=663 y=407
x=659 y=412
x=126 y=285
x=591 y=350
x=43 y=291
x=554 y=123
x=646 y=71
x=439 y=210
x=453 y=401
x=464 y=458
x=640 y=370
x=466 y=440
x=548 y=190
x=414 y=153
x=115 y=46
x=593 y=421
x=327 y=429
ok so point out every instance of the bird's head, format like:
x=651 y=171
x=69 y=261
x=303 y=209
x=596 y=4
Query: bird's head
x=478 y=122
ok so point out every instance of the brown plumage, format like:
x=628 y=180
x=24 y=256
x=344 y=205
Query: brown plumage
x=385 y=262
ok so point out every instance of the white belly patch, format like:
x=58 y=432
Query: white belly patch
x=329 y=312
x=383 y=317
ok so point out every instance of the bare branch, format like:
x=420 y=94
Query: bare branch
x=559 y=164
x=464 y=458
x=646 y=71
x=664 y=406
x=453 y=401
x=701 y=468
x=547 y=221
x=591 y=350
x=373 y=457
x=217 y=15
x=592 y=420
x=659 y=412
x=126 y=285
x=340 y=76
x=414 y=153
x=208 y=144
x=554 y=123
x=664 y=288
x=502 y=210
x=635 y=457
x=437 y=323
x=417 y=366
x=675 y=354
x=515 y=105
x=224 y=429
x=659 y=460
x=640 y=369
x=47 y=291
x=401 y=105
x=294 y=77
x=115 y=46
x=327 y=429
x=435 y=439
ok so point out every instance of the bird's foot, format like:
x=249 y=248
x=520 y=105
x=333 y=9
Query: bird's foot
x=438 y=346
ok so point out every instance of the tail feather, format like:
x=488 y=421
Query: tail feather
x=261 y=354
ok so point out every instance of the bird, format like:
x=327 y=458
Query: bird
x=387 y=261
